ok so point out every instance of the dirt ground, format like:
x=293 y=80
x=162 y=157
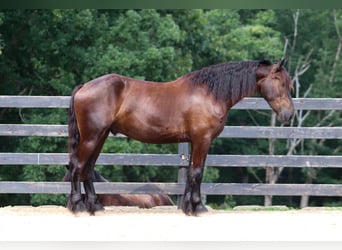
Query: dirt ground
x=55 y=223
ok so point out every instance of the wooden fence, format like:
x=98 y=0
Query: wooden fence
x=180 y=160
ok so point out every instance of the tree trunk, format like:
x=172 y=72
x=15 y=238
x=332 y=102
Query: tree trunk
x=304 y=201
x=310 y=176
x=270 y=171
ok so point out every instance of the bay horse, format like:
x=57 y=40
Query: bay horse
x=139 y=200
x=192 y=108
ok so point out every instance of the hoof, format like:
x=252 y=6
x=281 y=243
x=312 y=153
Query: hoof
x=93 y=205
x=187 y=210
x=186 y=206
x=193 y=209
x=77 y=207
x=200 y=209
x=76 y=204
x=94 y=208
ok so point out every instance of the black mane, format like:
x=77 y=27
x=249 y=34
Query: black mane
x=228 y=81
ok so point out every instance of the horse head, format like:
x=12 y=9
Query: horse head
x=275 y=86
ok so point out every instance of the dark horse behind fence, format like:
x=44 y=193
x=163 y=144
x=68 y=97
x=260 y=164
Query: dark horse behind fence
x=192 y=109
x=139 y=200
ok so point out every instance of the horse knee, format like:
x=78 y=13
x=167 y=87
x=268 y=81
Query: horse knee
x=73 y=169
x=196 y=198
x=195 y=176
x=80 y=173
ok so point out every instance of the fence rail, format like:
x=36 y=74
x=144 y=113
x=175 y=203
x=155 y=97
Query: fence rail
x=177 y=188
x=246 y=103
x=296 y=161
x=228 y=132
x=178 y=160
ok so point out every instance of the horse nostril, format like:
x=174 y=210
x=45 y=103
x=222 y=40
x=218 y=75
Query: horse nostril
x=291 y=116
x=285 y=116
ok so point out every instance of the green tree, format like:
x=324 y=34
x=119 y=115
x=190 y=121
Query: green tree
x=52 y=51
x=1 y=45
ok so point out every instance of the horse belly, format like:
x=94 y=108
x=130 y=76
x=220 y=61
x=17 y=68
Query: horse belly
x=153 y=130
x=156 y=135
x=153 y=113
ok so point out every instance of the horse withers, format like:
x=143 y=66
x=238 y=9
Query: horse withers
x=193 y=108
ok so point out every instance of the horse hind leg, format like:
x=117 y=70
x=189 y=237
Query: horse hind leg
x=91 y=200
x=88 y=150
x=75 y=201
x=74 y=197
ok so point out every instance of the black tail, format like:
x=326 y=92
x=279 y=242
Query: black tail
x=74 y=135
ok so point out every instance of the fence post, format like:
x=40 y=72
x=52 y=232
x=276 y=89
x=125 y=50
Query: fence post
x=183 y=151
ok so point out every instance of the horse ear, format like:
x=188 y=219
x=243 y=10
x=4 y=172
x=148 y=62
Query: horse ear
x=281 y=64
x=278 y=67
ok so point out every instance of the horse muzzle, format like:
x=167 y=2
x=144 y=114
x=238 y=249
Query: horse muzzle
x=284 y=116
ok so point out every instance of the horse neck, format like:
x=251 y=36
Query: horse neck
x=246 y=92
x=261 y=72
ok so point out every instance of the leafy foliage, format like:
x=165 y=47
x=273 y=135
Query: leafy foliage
x=49 y=52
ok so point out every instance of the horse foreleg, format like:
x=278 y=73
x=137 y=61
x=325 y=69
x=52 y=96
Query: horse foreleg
x=192 y=202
